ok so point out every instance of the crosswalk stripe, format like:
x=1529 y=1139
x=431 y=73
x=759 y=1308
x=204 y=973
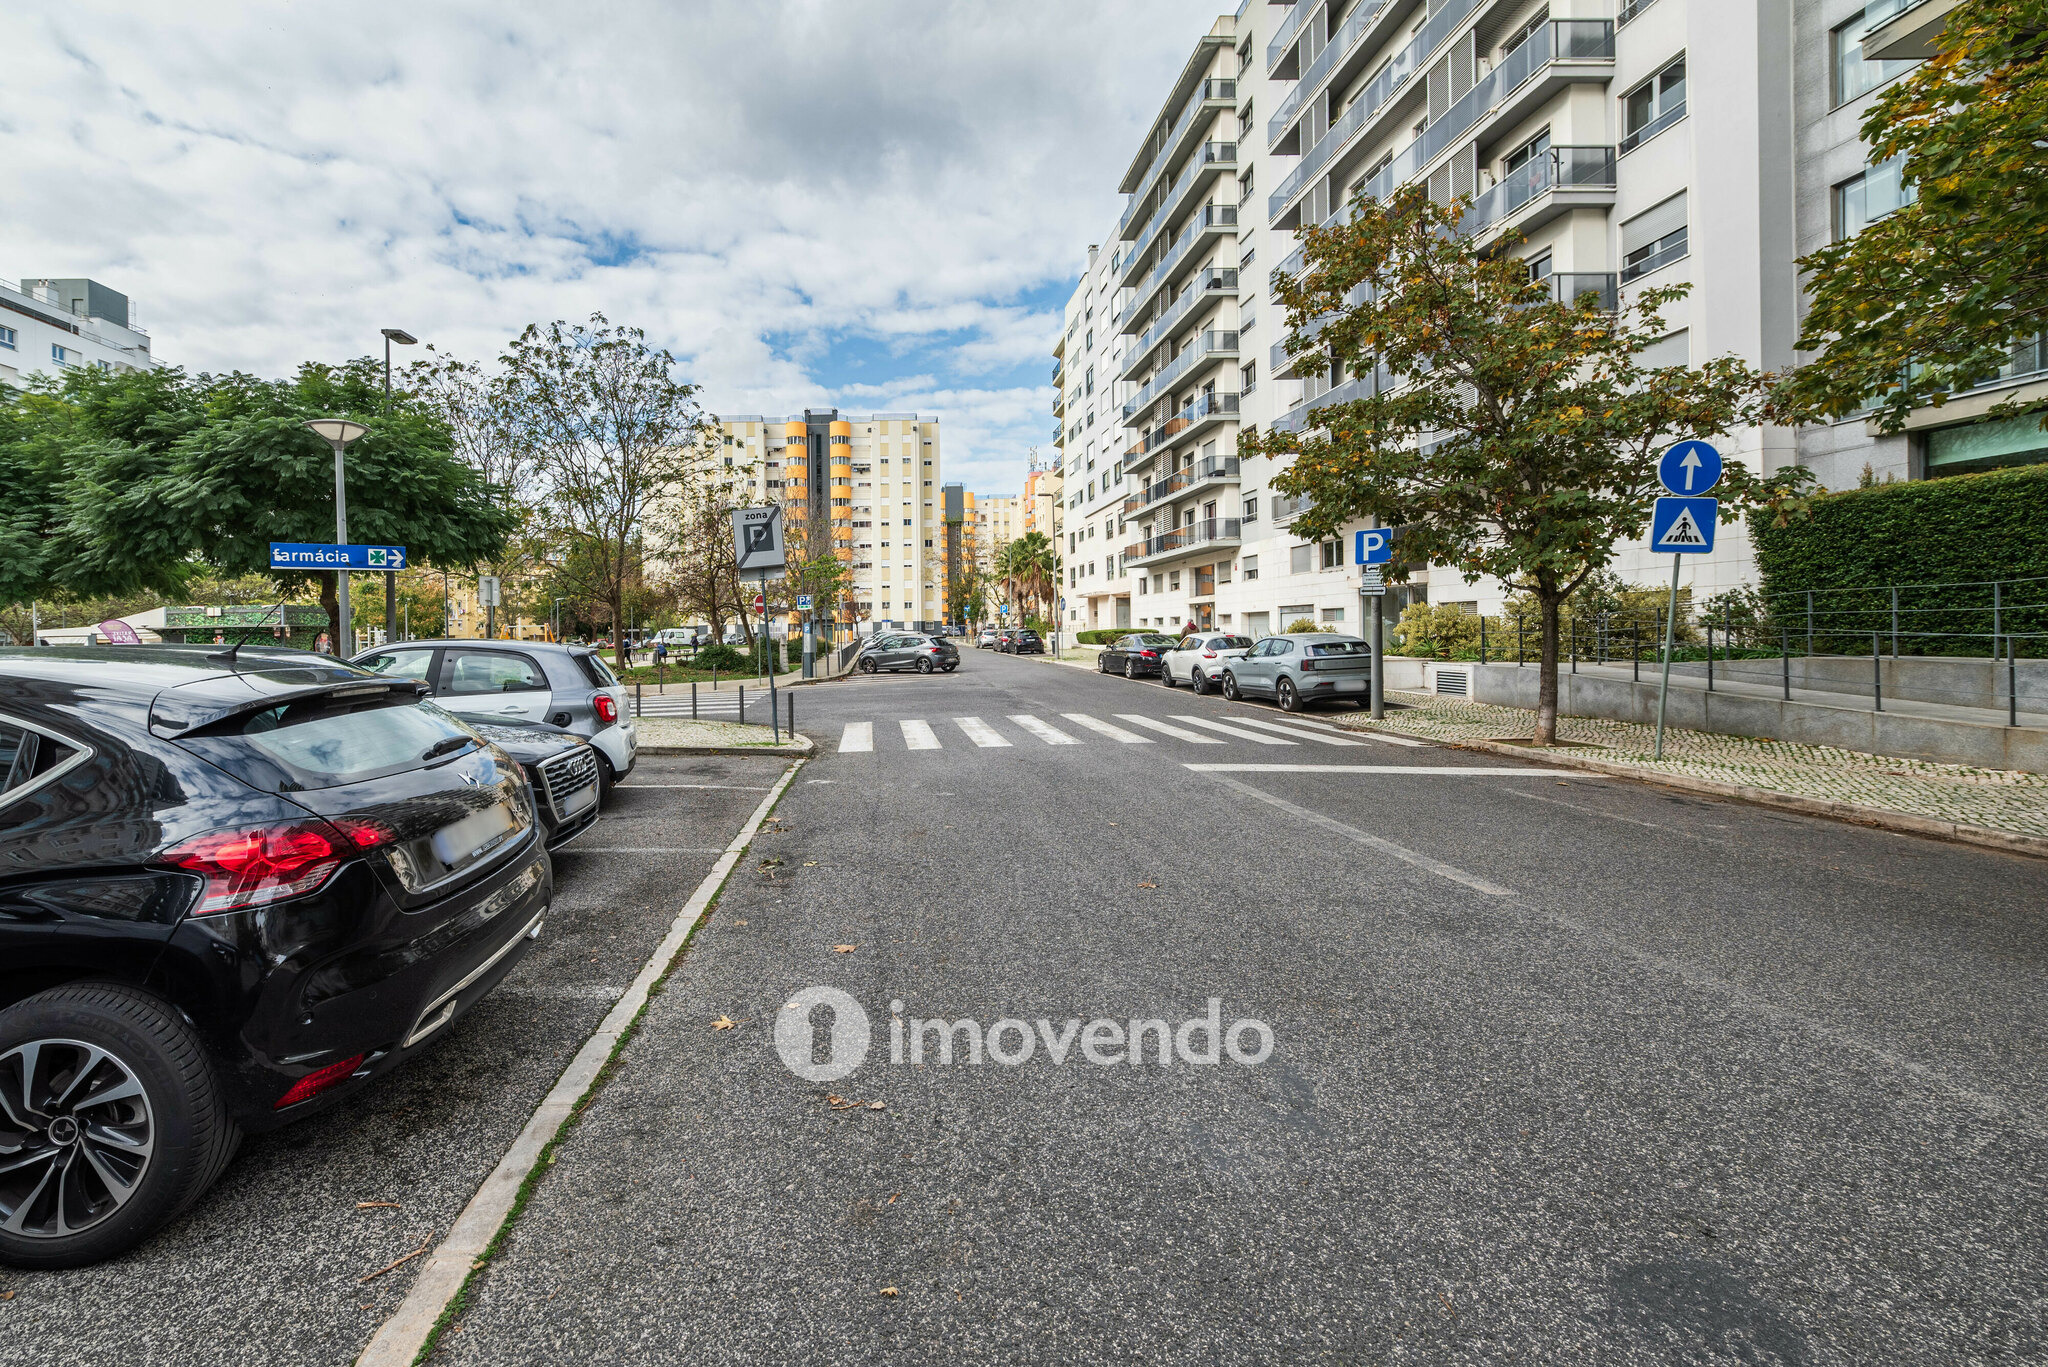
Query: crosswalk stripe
x=1239 y=732
x=1116 y=733
x=918 y=735
x=1177 y=732
x=1299 y=732
x=1045 y=731
x=858 y=737
x=981 y=733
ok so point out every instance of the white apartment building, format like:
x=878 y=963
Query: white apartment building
x=1610 y=144
x=48 y=326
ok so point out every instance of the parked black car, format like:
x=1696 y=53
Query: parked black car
x=1137 y=655
x=563 y=769
x=232 y=889
x=1022 y=641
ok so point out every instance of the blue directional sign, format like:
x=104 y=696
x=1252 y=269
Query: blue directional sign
x=1690 y=468
x=1684 y=526
x=1374 y=546
x=298 y=555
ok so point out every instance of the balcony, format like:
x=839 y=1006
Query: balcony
x=1571 y=286
x=1914 y=32
x=1210 y=222
x=1213 y=469
x=1552 y=56
x=1214 y=533
x=1208 y=99
x=1213 y=344
x=1358 y=387
x=1561 y=179
x=1211 y=159
x=1316 y=76
x=1204 y=413
x=1213 y=283
x=1287 y=36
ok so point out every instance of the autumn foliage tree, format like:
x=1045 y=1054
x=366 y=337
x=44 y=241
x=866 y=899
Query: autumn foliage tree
x=1509 y=433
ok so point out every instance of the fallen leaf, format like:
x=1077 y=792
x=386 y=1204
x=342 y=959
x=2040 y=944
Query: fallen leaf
x=1112 y=823
x=400 y=1262
x=723 y=1024
x=892 y=1200
x=1148 y=885
x=9 y=1295
x=844 y=949
x=739 y=923
x=891 y=1292
x=876 y=1106
x=810 y=863
x=378 y=1205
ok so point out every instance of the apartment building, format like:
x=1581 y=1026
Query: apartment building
x=1611 y=145
x=998 y=519
x=867 y=488
x=48 y=326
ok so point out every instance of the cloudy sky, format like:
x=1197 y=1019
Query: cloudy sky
x=878 y=204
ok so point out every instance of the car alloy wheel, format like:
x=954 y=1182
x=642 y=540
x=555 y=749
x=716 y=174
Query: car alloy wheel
x=1197 y=682
x=1166 y=674
x=89 y=1139
x=1290 y=701
x=867 y=666
x=1230 y=686
x=1130 y=669
x=924 y=666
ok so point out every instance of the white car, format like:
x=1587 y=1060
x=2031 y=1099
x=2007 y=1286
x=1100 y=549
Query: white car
x=1198 y=660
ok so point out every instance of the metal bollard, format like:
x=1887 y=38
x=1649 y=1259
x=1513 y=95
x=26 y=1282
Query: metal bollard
x=1482 y=638
x=693 y=700
x=1710 y=655
x=1876 y=672
x=791 y=728
x=1785 y=652
x=2012 y=687
x=1635 y=651
x=743 y=703
x=636 y=698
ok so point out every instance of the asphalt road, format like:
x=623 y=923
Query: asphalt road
x=1563 y=1069
x=264 y=1270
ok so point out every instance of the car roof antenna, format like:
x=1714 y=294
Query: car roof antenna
x=228 y=656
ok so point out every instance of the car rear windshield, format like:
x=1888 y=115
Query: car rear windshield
x=1158 y=641
x=325 y=742
x=595 y=670
x=1341 y=648
x=1231 y=642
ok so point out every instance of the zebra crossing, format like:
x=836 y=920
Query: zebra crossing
x=1075 y=728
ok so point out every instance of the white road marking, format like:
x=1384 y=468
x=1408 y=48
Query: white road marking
x=1306 y=724
x=723 y=787
x=857 y=738
x=1446 y=769
x=981 y=733
x=1116 y=733
x=1385 y=739
x=1045 y=731
x=1177 y=732
x=1237 y=731
x=629 y=849
x=918 y=735
x=1320 y=737
x=1400 y=852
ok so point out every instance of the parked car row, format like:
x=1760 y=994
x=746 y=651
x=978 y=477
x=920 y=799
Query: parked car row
x=1294 y=669
x=236 y=885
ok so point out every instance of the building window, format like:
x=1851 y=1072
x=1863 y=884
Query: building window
x=1864 y=199
x=1854 y=74
x=1653 y=106
x=1330 y=554
x=8 y=337
x=1525 y=32
x=1248 y=568
x=1173 y=581
x=1526 y=153
x=1539 y=267
x=1300 y=560
x=59 y=354
x=1673 y=350
x=1653 y=239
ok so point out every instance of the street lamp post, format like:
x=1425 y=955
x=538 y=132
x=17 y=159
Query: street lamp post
x=403 y=338
x=340 y=433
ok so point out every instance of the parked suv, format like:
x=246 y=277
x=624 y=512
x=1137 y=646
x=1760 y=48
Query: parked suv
x=908 y=650
x=1199 y=658
x=1297 y=670
x=524 y=681
x=563 y=769
x=233 y=887
x=1021 y=641
x=986 y=638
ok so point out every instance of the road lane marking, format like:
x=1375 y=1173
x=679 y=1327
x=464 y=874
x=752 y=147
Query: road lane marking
x=858 y=738
x=1298 y=732
x=1345 y=731
x=1177 y=732
x=1447 y=769
x=981 y=733
x=1388 y=847
x=1045 y=731
x=1116 y=733
x=1237 y=731
x=918 y=735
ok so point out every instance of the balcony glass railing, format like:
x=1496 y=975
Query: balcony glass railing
x=1208 y=90
x=1317 y=73
x=1632 y=141
x=1195 y=534
x=1213 y=343
x=1211 y=156
x=1210 y=218
x=1202 y=471
x=1571 y=286
x=1574 y=40
x=1215 y=282
x=1630 y=10
x=1559 y=168
x=1289 y=30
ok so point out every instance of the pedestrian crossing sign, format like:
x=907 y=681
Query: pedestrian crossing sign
x=1684 y=526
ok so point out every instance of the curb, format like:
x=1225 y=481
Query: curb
x=784 y=750
x=2012 y=842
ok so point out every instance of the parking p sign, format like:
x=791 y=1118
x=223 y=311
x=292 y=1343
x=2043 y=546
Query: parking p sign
x=1373 y=546
x=757 y=541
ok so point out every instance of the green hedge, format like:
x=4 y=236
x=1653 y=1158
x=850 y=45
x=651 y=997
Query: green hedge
x=1103 y=636
x=1962 y=529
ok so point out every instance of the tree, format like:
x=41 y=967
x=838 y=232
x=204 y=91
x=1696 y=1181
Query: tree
x=1511 y=434
x=692 y=527
x=1031 y=568
x=1933 y=298
x=612 y=431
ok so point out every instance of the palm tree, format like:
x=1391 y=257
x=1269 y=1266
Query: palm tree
x=1032 y=567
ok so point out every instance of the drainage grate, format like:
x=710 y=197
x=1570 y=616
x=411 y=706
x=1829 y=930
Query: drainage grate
x=1456 y=682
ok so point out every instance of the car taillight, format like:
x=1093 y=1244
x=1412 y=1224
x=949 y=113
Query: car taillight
x=254 y=868
x=1307 y=665
x=1208 y=654
x=365 y=835
x=1149 y=654
x=318 y=1081
x=607 y=709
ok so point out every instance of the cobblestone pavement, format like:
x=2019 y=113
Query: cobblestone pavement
x=1998 y=799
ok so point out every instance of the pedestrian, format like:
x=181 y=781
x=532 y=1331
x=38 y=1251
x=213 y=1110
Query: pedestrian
x=322 y=645
x=661 y=652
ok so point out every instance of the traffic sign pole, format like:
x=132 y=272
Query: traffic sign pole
x=768 y=652
x=1670 y=634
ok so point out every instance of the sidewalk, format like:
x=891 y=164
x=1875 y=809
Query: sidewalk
x=682 y=736
x=2005 y=808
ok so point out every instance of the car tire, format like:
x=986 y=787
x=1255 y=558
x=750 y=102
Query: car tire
x=924 y=666
x=606 y=783
x=1289 y=699
x=1130 y=669
x=868 y=666
x=951 y=668
x=178 y=1108
x=1199 y=684
x=1230 y=692
x=1166 y=674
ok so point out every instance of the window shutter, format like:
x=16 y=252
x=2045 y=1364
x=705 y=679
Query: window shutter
x=1645 y=228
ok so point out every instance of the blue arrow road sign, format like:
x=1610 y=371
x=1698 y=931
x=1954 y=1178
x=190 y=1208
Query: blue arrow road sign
x=1691 y=467
x=1684 y=526
x=299 y=555
x=1374 y=546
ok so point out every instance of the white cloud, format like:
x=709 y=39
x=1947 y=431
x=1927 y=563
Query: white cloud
x=273 y=183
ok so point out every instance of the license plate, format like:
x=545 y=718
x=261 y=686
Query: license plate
x=471 y=836
x=575 y=802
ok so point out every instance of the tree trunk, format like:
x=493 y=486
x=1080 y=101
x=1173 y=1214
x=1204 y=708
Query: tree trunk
x=332 y=602
x=1546 y=674
x=618 y=607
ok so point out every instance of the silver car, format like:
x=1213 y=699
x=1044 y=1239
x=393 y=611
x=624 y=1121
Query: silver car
x=1201 y=657
x=1296 y=670
x=524 y=681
